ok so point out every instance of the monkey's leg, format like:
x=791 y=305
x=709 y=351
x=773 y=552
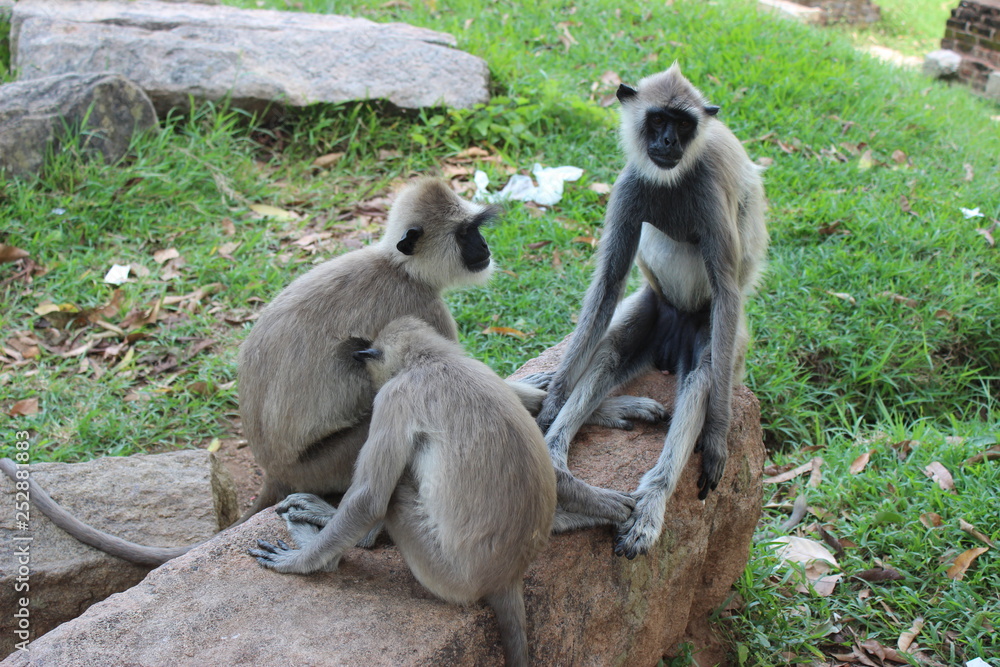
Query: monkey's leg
x=638 y=534
x=625 y=351
x=306 y=514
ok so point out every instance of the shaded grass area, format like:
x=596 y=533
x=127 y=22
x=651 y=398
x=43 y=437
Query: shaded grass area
x=877 y=311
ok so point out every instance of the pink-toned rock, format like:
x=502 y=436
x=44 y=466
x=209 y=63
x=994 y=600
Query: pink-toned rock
x=585 y=606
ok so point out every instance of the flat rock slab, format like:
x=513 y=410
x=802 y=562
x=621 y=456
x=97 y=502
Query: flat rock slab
x=166 y=500
x=254 y=58
x=35 y=117
x=585 y=606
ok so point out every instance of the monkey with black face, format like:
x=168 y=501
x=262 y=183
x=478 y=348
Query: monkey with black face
x=456 y=467
x=700 y=250
x=305 y=403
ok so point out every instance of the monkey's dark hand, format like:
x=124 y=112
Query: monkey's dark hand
x=538 y=380
x=642 y=529
x=270 y=555
x=713 y=462
x=551 y=406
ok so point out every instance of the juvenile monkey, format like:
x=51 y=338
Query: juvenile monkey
x=688 y=208
x=455 y=466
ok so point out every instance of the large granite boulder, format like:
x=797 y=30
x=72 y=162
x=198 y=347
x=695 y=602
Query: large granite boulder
x=166 y=500
x=106 y=110
x=585 y=606
x=254 y=58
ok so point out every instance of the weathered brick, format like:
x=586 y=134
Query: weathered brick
x=982 y=30
x=956 y=24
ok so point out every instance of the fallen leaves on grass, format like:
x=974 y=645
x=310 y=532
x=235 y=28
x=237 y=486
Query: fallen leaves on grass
x=971 y=530
x=9 y=253
x=878 y=574
x=906 y=638
x=931 y=520
x=816 y=562
x=859 y=463
x=505 y=331
x=24 y=407
x=963 y=561
x=787 y=475
x=991 y=454
x=936 y=471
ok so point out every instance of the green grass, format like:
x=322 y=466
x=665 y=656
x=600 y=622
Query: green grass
x=877 y=311
x=912 y=27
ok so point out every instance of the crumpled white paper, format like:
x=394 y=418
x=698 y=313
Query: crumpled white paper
x=548 y=191
x=970 y=213
x=117 y=274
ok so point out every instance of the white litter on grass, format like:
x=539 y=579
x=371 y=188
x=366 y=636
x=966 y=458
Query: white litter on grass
x=970 y=213
x=521 y=188
x=117 y=274
x=977 y=662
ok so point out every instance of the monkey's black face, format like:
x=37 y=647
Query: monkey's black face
x=472 y=245
x=668 y=133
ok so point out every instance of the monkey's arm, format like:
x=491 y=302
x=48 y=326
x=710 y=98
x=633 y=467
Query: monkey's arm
x=720 y=250
x=381 y=463
x=619 y=244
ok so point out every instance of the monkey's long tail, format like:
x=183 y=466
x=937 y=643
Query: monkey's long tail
x=130 y=551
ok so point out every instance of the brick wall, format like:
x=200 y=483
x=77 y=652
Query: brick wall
x=974 y=32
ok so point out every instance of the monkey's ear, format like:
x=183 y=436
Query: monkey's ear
x=370 y=354
x=626 y=93
x=409 y=240
x=712 y=109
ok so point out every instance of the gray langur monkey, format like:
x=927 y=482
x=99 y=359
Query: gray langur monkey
x=689 y=209
x=455 y=466
x=305 y=403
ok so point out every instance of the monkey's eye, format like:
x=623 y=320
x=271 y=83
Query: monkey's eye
x=685 y=124
x=657 y=121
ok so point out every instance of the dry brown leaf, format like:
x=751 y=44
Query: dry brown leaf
x=904 y=448
x=963 y=561
x=611 y=78
x=228 y=228
x=9 y=253
x=789 y=474
x=589 y=240
x=24 y=407
x=931 y=520
x=505 y=331
x=473 y=152
x=859 y=463
x=899 y=157
x=936 y=471
x=266 y=211
x=987 y=233
x=991 y=454
x=815 y=476
x=883 y=653
x=538 y=244
x=906 y=638
x=161 y=256
x=877 y=574
x=971 y=530
x=899 y=298
x=328 y=160
x=844 y=296
x=816 y=560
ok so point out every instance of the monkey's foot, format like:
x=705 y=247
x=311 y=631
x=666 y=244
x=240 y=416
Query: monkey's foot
x=538 y=380
x=305 y=508
x=619 y=411
x=713 y=464
x=578 y=497
x=305 y=515
x=286 y=559
x=642 y=530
